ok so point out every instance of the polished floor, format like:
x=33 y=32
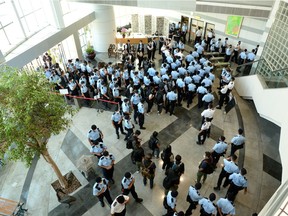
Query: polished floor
x=260 y=157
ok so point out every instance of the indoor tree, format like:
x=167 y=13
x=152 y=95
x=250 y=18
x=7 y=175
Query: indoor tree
x=29 y=114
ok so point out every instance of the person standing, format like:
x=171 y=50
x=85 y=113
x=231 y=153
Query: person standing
x=204 y=167
x=178 y=166
x=237 y=142
x=225 y=206
x=154 y=47
x=228 y=169
x=172 y=99
x=154 y=144
x=95 y=134
x=141 y=116
x=97 y=148
x=203 y=132
x=228 y=53
x=198 y=35
x=167 y=157
x=208 y=98
x=238 y=182
x=193 y=197
x=149 y=50
x=106 y=162
x=148 y=164
x=170 y=202
x=101 y=190
x=201 y=91
x=135 y=99
x=138 y=155
x=219 y=150
x=128 y=126
x=236 y=52
x=118 y=207
x=128 y=186
x=116 y=119
x=223 y=93
x=208 y=208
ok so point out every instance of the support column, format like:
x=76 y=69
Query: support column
x=57 y=14
x=77 y=44
x=103 y=28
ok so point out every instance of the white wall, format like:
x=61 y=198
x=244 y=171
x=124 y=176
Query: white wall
x=250 y=34
x=271 y=104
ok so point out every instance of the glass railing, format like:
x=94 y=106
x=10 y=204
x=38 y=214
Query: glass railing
x=273 y=78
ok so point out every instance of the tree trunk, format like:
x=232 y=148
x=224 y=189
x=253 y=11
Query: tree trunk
x=63 y=182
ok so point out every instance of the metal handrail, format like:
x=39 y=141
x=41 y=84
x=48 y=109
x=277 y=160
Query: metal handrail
x=249 y=63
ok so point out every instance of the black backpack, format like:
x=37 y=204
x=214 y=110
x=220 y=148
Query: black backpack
x=209 y=168
x=129 y=143
x=152 y=142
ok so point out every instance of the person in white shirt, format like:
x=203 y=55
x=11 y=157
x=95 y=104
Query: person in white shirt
x=198 y=35
x=118 y=206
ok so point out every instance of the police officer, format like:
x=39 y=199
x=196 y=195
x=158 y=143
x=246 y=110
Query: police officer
x=171 y=202
x=73 y=87
x=207 y=206
x=141 y=116
x=97 y=148
x=223 y=94
x=201 y=91
x=101 y=190
x=106 y=162
x=128 y=126
x=190 y=93
x=116 y=119
x=128 y=186
x=85 y=92
x=225 y=206
x=193 y=197
x=219 y=150
x=117 y=96
x=118 y=207
x=126 y=107
x=238 y=182
x=229 y=168
x=208 y=99
x=237 y=141
x=104 y=94
x=203 y=132
x=172 y=98
x=95 y=134
x=135 y=99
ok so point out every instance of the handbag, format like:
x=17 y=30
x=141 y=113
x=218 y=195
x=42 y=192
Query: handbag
x=146 y=171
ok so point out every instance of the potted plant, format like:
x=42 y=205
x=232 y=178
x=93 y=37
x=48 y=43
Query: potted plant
x=90 y=52
x=123 y=32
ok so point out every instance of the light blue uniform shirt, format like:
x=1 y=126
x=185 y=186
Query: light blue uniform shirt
x=151 y=72
x=208 y=98
x=93 y=134
x=98 y=148
x=163 y=70
x=146 y=81
x=207 y=82
x=128 y=124
x=226 y=206
x=171 y=96
x=169 y=59
x=180 y=83
x=189 y=58
x=201 y=72
x=238 y=140
x=174 y=75
x=126 y=75
x=187 y=80
x=182 y=71
x=165 y=76
x=230 y=166
x=103 y=90
x=191 y=87
x=239 y=180
x=194 y=194
x=116 y=116
x=202 y=90
x=173 y=65
x=126 y=181
x=220 y=147
x=106 y=161
x=156 y=80
x=135 y=99
x=208 y=206
x=171 y=201
x=125 y=107
x=191 y=69
x=116 y=92
x=140 y=108
x=136 y=80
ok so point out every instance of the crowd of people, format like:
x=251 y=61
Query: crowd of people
x=132 y=84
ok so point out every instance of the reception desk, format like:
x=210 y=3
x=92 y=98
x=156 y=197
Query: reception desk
x=132 y=40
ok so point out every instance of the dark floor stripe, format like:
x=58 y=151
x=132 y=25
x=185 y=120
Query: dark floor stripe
x=28 y=179
x=272 y=167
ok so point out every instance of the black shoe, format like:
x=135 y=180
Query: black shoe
x=102 y=204
x=187 y=105
x=136 y=122
x=124 y=133
x=112 y=181
x=216 y=188
x=142 y=128
x=199 y=143
x=118 y=136
x=139 y=200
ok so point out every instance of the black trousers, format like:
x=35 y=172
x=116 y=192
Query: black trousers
x=191 y=207
x=118 y=126
x=202 y=136
x=200 y=102
x=135 y=107
x=170 y=107
x=133 y=192
x=123 y=213
x=233 y=189
x=108 y=174
x=190 y=96
x=141 y=119
x=223 y=174
x=216 y=156
x=106 y=194
x=234 y=148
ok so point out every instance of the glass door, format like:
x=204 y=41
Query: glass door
x=194 y=25
x=208 y=27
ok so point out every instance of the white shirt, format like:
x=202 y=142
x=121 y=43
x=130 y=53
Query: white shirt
x=208 y=113
x=171 y=201
x=117 y=207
